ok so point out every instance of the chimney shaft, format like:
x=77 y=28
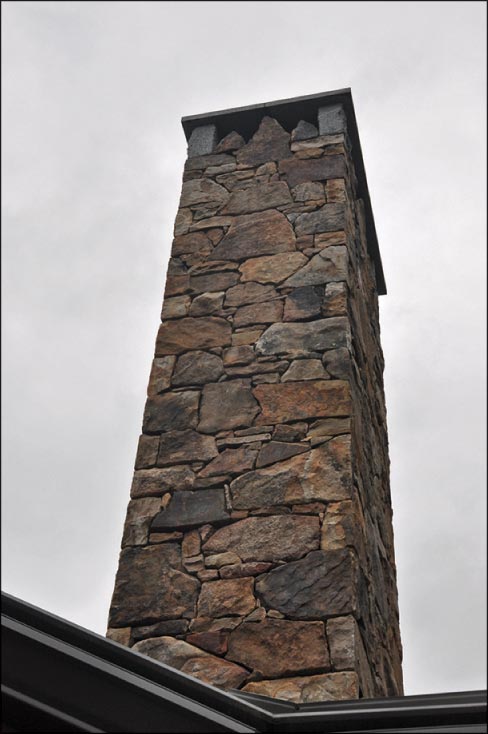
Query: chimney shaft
x=258 y=546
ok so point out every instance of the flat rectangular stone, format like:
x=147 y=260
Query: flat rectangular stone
x=291 y=401
x=190 y=509
x=299 y=171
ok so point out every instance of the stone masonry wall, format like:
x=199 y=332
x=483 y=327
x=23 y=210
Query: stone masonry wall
x=258 y=548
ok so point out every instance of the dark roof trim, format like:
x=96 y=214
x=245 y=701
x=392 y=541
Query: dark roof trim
x=60 y=677
x=288 y=112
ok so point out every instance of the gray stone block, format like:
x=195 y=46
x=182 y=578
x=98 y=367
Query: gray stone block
x=332 y=120
x=202 y=141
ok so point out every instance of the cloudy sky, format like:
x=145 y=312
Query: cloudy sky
x=93 y=152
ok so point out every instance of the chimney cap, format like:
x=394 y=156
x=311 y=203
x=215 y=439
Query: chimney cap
x=288 y=112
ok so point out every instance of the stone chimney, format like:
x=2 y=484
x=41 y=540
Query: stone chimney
x=257 y=551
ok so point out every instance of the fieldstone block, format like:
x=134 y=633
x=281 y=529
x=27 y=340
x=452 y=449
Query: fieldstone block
x=309 y=688
x=272 y=538
x=302 y=337
x=329 y=218
x=303 y=304
x=190 y=509
x=168 y=627
x=155 y=482
x=226 y=597
x=227 y=405
x=172 y=411
x=207 y=303
x=257 y=198
x=179 y=336
x=175 y=308
x=140 y=598
x=147 y=452
x=197 y=368
x=140 y=513
x=323 y=473
x=245 y=293
x=232 y=141
x=323 y=584
x=302 y=400
x=279 y=647
x=304 y=130
x=203 y=191
x=272 y=268
x=305 y=369
x=193 y=661
x=330 y=264
x=176 y=447
x=251 y=235
x=258 y=313
x=279 y=451
x=269 y=143
x=299 y=170
x=230 y=461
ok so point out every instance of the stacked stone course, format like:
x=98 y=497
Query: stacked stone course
x=258 y=548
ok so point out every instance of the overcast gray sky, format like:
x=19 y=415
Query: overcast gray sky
x=93 y=152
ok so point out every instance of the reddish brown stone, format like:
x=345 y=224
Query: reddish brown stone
x=245 y=293
x=238 y=356
x=191 y=544
x=247 y=336
x=213 y=282
x=269 y=143
x=280 y=647
x=226 y=597
x=122 y=635
x=193 y=661
x=160 y=378
x=272 y=268
x=175 y=308
x=178 y=336
x=323 y=473
x=319 y=169
x=274 y=538
x=299 y=400
x=251 y=235
x=140 y=513
x=215 y=642
x=232 y=461
x=305 y=369
x=309 y=688
x=207 y=303
x=168 y=627
x=179 y=446
x=259 y=313
x=330 y=264
x=226 y=405
x=335 y=299
x=191 y=242
x=140 y=597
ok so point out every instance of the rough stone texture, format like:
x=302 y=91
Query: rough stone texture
x=230 y=461
x=306 y=399
x=140 y=597
x=306 y=336
x=202 y=140
x=251 y=235
x=227 y=405
x=277 y=648
x=197 y=368
x=193 y=661
x=172 y=411
x=302 y=304
x=227 y=597
x=272 y=268
x=258 y=197
x=269 y=143
x=323 y=473
x=299 y=171
x=278 y=451
x=330 y=264
x=207 y=303
x=288 y=504
x=203 y=191
x=140 y=513
x=175 y=447
x=305 y=369
x=309 y=688
x=245 y=293
x=263 y=313
x=175 y=337
x=160 y=378
x=273 y=538
x=323 y=584
x=190 y=509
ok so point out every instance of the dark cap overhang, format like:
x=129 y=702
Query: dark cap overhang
x=288 y=112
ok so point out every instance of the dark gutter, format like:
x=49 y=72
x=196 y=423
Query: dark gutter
x=60 y=677
x=288 y=112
